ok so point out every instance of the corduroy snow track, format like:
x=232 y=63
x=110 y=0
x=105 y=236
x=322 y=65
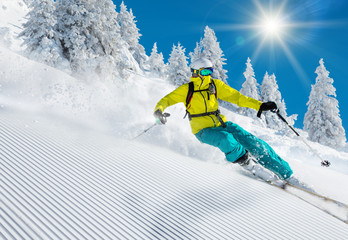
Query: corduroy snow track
x=63 y=182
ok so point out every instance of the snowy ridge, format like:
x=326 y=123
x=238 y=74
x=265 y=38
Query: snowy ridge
x=62 y=183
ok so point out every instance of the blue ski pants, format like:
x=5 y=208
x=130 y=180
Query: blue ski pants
x=234 y=141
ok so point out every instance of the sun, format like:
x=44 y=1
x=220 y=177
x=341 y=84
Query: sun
x=272 y=21
x=272 y=26
x=275 y=29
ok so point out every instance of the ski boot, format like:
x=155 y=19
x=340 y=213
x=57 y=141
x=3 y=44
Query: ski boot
x=244 y=160
x=248 y=162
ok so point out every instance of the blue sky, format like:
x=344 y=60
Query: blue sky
x=310 y=30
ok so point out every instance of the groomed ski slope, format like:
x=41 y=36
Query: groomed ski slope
x=61 y=180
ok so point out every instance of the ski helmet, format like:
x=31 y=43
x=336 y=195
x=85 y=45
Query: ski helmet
x=201 y=63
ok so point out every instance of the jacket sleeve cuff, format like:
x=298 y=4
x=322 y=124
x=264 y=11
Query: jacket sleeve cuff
x=158 y=108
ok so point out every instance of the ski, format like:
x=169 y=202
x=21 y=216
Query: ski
x=325 y=198
x=330 y=206
x=326 y=204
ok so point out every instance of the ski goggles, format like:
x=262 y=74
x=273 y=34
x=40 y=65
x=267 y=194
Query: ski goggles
x=206 y=71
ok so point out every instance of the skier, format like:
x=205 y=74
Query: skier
x=209 y=126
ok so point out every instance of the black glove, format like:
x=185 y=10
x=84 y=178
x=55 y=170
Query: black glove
x=162 y=117
x=266 y=107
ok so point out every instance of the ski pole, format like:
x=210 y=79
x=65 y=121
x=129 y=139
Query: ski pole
x=147 y=129
x=165 y=115
x=324 y=163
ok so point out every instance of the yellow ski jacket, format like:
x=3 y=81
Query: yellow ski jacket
x=203 y=102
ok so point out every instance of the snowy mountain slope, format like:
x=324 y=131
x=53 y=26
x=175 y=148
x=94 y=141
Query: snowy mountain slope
x=35 y=83
x=126 y=110
x=61 y=180
x=70 y=170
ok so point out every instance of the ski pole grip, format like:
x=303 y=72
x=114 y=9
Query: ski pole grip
x=325 y=163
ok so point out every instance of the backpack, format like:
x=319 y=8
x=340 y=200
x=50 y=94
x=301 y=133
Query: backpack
x=211 y=89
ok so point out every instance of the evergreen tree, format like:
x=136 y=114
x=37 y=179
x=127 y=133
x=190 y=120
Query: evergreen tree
x=270 y=92
x=28 y=2
x=197 y=53
x=113 y=55
x=40 y=34
x=105 y=28
x=73 y=26
x=91 y=39
x=322 y=120
x=178 y=71
x=156 y=63
x=250 y=88
x=130 y=34
x=213 y=52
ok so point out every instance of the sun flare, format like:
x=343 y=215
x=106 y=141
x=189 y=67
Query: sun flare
x=275 y=29
x=272 y=26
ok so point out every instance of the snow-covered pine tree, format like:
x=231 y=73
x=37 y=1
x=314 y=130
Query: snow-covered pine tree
x=156 y=62
x=177 y=71
x=40 y=35
x=113 y=55
x=130 y=34
x=213 y=52
x=91 y=39
x=73 y=26
x=197 y=52
x=28 y=2
x=322 y=120
x=250 y=88
x=105 y=28
x=270 y=92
